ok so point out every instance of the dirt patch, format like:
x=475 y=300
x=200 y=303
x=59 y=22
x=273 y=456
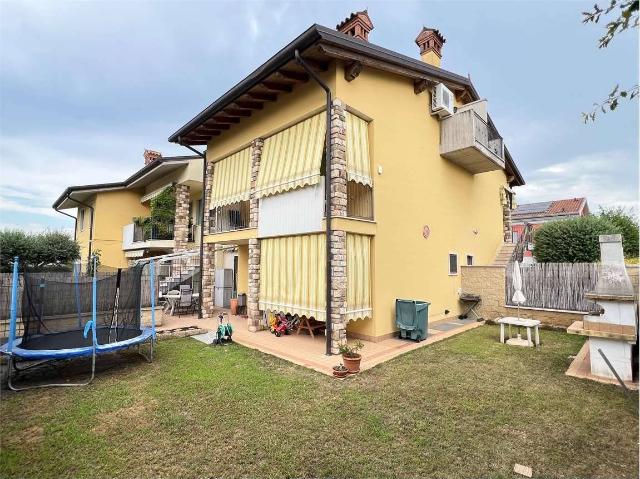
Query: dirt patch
x=32 y=435
x=132 y=416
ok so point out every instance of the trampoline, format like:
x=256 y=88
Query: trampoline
x=69 y=315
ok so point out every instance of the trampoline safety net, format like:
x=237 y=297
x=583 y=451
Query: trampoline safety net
x=57 y=306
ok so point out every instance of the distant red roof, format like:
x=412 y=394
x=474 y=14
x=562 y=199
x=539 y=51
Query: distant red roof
x=572 y=206
x=546 y=209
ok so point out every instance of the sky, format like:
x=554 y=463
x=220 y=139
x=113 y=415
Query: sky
x=86 y=86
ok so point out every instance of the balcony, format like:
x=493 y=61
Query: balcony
x=194 y=234
x=229 y=218
x=469 y=141
x=359 y=201
x=150 y=236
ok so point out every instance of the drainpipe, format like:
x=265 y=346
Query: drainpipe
x=75 y=222
x=90 y=224
x=327 y=196
x=204 y=185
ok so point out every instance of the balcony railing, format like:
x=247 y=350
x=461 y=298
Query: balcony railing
x=194 y=234
x=158 y=231
x=469 y=141
x=359 y=201
x=229 y=218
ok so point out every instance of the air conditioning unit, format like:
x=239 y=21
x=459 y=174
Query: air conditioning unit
x=441 y=101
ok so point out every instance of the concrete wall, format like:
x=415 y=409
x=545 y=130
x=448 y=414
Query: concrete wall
x=489 y=283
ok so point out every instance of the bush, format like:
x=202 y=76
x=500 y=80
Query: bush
x=52 y=249
x=571 y=241
x=627 y=223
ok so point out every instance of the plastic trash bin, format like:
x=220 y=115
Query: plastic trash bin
x=412 y=318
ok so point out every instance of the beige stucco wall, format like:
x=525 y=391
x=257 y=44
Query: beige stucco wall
x=243 y=269
x=418 y=187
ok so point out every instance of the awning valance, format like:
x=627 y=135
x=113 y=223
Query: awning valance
x=358 y=164
x=231 y=179
x=292 y=158
x=292 y=275
x=358 y=277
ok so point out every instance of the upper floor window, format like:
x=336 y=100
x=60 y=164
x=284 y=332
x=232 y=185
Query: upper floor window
x=469 y=260
x=81 y=213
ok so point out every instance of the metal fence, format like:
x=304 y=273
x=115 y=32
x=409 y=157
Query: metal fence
x=555 y=285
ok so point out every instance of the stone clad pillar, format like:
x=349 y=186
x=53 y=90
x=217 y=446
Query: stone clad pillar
x=506 y=215
x=253 y=309
x=208 y=254
x=181 y=220
x=338 y=238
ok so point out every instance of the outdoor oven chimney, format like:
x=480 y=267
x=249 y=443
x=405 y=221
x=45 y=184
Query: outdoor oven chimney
x=430 y=42
x=357 y=25
x=151 y=156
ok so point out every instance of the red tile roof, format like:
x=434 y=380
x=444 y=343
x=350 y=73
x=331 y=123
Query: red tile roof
x=572 y=206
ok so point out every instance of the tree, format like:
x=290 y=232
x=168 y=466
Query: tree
x=627 y=18
x=627 y=223
x=51 y=249
x=571 y=241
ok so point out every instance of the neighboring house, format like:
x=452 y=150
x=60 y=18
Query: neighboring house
x=106 y=212
x=536 y=214
x=412 y=196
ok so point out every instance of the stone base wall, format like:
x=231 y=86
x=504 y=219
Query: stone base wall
x=253 y=309
x=181 y=221
x=208 y=280
x=489 y=283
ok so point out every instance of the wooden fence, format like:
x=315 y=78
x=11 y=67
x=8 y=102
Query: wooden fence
x=559 y=286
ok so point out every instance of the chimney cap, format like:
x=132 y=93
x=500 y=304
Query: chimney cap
x=430 y=39
x=151 y=155
x=358 y=25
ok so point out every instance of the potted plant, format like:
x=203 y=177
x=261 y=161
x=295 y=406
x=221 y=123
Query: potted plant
x=340 y=371
x=351 y=356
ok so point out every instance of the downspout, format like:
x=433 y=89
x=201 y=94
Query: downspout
x=204 y=186
x=75 y=220
x=327 y=197
x=90 y=225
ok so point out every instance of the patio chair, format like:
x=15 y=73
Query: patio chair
x=185 y=303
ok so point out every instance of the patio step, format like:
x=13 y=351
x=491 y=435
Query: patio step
x=504 y=254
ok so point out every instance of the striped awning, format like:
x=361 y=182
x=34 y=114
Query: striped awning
x=292 y=158
x=358 y=277
x=231 y=179
x=292 y=275
x=358 y=164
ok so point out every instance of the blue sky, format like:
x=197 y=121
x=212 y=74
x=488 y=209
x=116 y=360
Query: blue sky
x=86 y=86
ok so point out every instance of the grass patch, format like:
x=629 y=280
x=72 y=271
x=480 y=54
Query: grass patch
x=464 y=407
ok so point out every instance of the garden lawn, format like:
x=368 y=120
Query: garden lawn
x=467 y=406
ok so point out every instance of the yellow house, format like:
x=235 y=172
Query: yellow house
x=409 y=165
x=104 y=220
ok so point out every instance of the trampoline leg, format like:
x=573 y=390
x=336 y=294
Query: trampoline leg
x=14 y=388
x=148 y=357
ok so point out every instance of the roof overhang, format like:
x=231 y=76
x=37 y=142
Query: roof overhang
x=141 y=178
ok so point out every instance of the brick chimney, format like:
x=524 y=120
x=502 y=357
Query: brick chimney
x=150 y=156
x=357 y=25
x=430 y=42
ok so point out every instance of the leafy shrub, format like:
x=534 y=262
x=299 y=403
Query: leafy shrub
x=51 y=249
x=571 y=241
x=627 y=223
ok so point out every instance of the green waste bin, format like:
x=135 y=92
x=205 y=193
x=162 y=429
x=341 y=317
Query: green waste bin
x=412 y=318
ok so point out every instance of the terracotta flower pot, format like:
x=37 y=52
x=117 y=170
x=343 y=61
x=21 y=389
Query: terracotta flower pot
x=340 y=373
x=352 y=363
x=233 y=305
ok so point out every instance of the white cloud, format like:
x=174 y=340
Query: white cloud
x=606 y=179
x=33 y=228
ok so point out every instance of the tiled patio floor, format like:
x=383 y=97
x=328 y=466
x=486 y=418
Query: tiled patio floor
x=310 y=352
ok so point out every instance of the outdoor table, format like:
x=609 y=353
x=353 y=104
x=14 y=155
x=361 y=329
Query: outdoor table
x=173 y=297
x=525 y=323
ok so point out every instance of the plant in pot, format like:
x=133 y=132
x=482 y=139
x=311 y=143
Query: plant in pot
x=340 y=371
x=351 y=355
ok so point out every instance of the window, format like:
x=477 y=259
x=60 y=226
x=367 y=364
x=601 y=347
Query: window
x=81 y=219
x=469 y=260
x=199 y=212
x=453 y=263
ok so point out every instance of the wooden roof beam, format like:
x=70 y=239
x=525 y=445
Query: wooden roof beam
x=276 y=86
x=224 y=119
x=237 y=112
x=252 y=105
x=262 y=96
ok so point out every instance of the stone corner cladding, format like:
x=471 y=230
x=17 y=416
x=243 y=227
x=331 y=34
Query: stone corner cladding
x=338 y=159
x=208 y=252
x=181 y=220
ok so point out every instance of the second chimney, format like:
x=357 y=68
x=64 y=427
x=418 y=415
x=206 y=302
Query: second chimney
x=430 y=42
x=357 y=25
x=151 y=156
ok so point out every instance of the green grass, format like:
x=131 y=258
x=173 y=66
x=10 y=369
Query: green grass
x=463 y=407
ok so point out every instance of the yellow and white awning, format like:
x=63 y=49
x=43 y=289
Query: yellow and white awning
x=358 y=277
x=358 y=163
x=292 y=158
x=292 y=275
x=231 y=179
